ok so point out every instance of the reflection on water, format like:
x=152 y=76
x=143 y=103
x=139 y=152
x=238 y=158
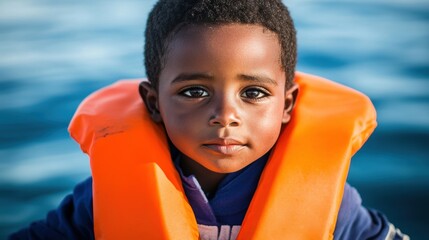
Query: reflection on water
x=54 y=53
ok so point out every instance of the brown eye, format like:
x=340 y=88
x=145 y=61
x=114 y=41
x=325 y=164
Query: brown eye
x=254 y=93
x=194 y=92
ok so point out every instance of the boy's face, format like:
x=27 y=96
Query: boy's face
x=221 y=94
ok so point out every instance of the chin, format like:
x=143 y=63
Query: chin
x=225 y=166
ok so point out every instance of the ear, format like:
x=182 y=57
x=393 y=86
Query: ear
x=149 y=96
x=290 y=100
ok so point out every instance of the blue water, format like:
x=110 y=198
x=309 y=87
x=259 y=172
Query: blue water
x=54 y=53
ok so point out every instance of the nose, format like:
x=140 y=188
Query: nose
x=226 y=113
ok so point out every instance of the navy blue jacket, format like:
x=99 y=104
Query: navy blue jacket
x=73 y=219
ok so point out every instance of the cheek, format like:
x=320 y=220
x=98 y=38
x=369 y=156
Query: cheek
x=181 y=124
x=267 y=123
x=268 y=126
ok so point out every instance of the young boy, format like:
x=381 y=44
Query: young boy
x=219 y=152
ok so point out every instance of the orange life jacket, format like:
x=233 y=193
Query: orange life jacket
x=138 y=194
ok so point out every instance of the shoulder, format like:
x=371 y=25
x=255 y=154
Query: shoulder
x=357 y=222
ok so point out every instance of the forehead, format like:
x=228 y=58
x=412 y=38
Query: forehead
x=206 y=46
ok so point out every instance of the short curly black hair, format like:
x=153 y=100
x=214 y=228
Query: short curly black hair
x=169 y=16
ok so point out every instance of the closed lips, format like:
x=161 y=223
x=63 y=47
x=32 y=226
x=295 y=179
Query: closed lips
x=225 y=146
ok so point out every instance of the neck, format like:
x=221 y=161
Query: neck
x=207 y=179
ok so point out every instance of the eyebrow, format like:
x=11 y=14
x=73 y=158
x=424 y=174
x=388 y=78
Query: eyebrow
x=258 y=79
x=183 y=77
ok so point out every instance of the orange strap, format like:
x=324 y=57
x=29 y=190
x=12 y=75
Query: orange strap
x=138 y=193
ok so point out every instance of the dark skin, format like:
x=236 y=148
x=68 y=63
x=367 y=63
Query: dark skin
x=221 y=98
